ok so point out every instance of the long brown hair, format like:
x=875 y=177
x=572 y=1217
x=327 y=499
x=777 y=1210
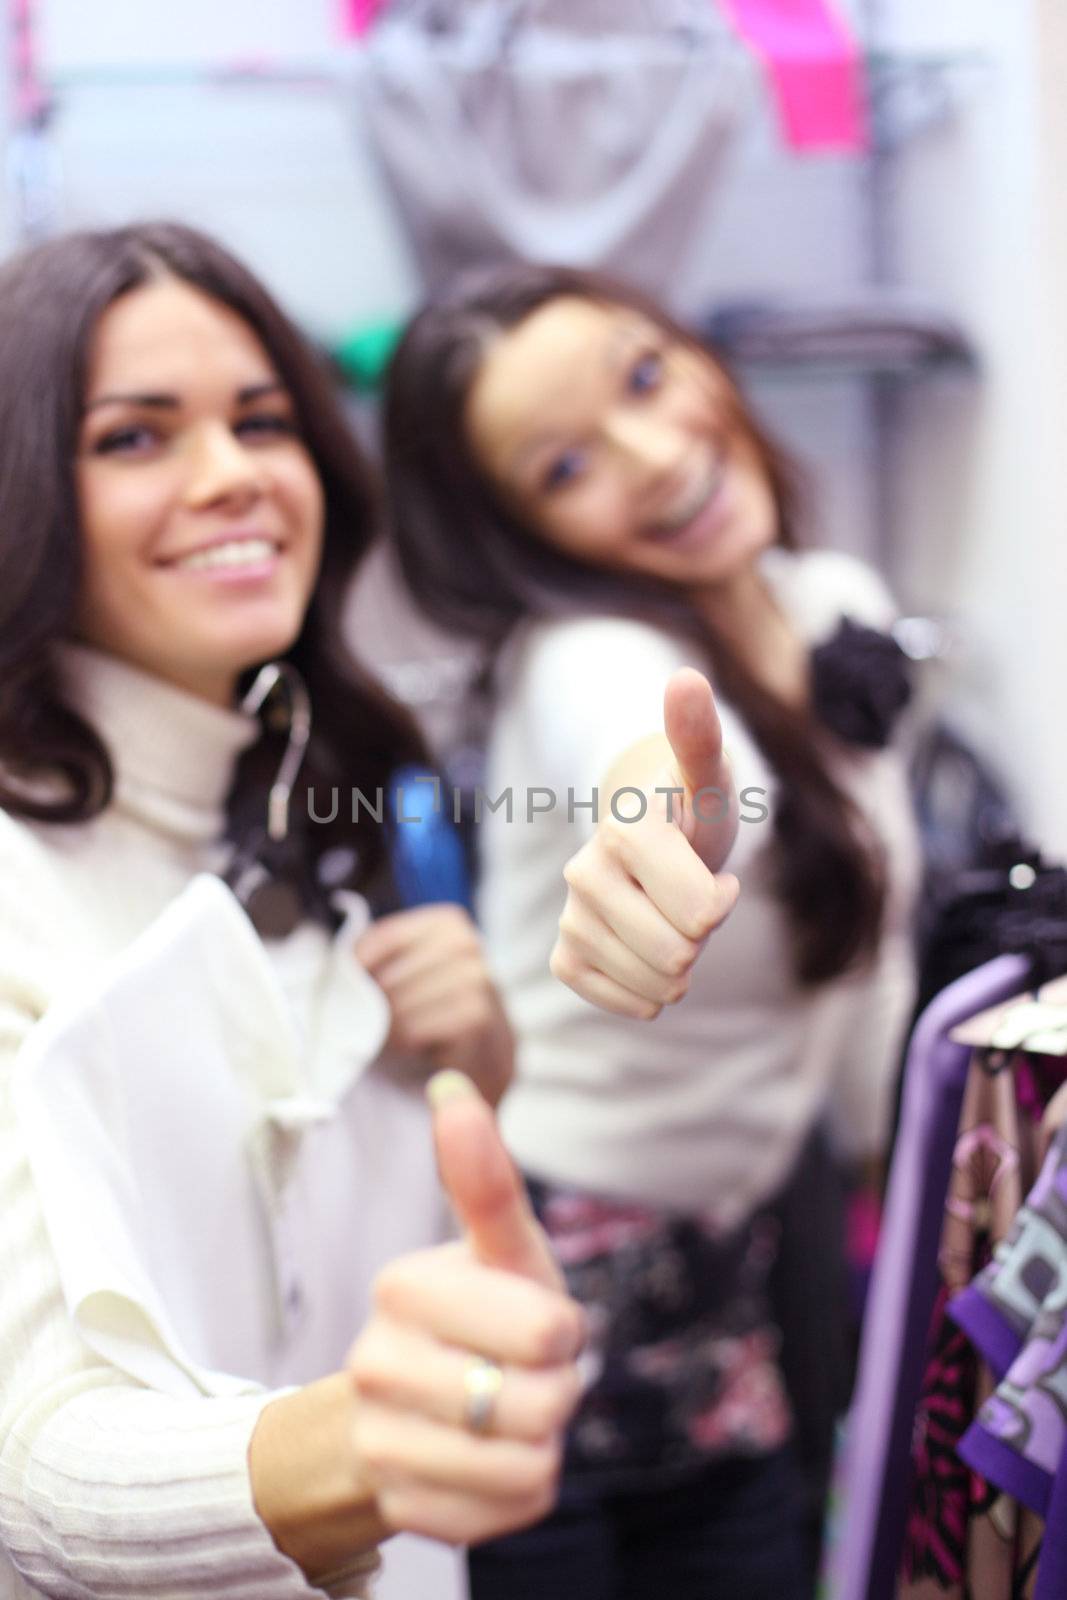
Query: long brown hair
x=54 y=766
x=473 y=566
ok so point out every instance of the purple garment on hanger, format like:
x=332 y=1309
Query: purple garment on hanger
x=1052 y=1569
x=1015 y=1314
x=1002 y=1464
x=904 y=1287
x=815 y=70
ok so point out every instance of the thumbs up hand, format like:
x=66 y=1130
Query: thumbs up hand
x=465 y=1373
x=643 y=894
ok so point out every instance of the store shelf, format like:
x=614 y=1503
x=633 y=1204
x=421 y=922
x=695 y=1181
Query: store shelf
x=870 y=332
x=815 y=369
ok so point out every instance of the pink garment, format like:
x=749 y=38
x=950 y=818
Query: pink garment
x=358 y=15
x=815 y=69
x=31 y=101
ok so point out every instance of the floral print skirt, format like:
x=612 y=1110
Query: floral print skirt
x=682 y=1357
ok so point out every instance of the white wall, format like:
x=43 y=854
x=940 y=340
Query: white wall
x=273 y=170
x=982 y=219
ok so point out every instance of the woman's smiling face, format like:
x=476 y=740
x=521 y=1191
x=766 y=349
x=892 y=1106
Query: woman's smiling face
x=620 y=445
x=201 y=510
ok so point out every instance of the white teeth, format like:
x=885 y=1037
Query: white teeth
x=237 y=553
x=694 y=502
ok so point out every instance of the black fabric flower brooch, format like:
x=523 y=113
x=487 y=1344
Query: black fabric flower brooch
x=859 y=684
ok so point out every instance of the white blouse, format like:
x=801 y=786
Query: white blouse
x=203 y=1162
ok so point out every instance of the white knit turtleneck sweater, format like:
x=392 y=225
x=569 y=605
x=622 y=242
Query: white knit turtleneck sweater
x=107 y=1489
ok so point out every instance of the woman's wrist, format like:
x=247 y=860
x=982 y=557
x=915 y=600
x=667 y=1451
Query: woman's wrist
x=308 y=1487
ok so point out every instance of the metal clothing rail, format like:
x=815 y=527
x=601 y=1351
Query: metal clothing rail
x=325 y=72
x=920 y=77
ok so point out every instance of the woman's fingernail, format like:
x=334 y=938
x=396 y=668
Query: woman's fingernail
x=450 y=1085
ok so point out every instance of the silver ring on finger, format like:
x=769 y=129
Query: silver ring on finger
x=482 y=1383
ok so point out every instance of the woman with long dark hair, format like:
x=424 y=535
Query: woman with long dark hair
x=181 y=506
x=577 y=482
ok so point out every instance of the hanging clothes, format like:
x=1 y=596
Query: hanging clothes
x=966 y=1539
x=541 y=130
x=961 y=1417
x=904 y=1288
x=815 y=70
x=1015 y=1314
x=357 y=16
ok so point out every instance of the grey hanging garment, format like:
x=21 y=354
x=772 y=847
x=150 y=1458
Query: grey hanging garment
x=590 y=132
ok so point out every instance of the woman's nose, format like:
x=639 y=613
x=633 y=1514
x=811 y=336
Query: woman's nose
x=222 y=469
x=645 y=442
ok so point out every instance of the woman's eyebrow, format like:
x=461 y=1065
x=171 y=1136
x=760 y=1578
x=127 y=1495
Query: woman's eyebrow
x=625 y=339
x=162 y=401
x=133 y=399
x=256 y=391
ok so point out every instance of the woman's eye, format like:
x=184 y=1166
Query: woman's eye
x=564 y=469
x=646 y=374
x=126 y=441
x=266 y=425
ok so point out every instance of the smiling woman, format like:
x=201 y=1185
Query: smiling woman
x=578 y=483
x=201 y=507
x=628 y=474
x=142 y=358
x=181 y=505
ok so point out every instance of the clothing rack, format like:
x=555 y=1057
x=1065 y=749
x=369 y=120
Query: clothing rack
x=926 y=85
x=989 y=1009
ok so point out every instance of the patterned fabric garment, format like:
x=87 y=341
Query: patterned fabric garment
x=683 y=1354
x=1015 y=1312
x=966 y=1538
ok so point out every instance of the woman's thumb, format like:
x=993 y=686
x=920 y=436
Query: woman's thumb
x=481 y=1181
x=691 y=724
